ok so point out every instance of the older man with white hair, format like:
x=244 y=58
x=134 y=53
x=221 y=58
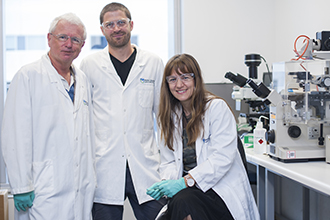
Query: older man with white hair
x=47 y=131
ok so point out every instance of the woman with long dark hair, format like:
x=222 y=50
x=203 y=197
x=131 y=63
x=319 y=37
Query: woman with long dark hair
x=202 y=171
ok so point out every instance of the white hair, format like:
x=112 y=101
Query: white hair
x=71 y=18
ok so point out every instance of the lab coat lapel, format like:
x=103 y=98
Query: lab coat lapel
x=136 y=68
x=177 y=144
x=79 y=87
x=107 y=66
x=203 y=139
x=54 y=76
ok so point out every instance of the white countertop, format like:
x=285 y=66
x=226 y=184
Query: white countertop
x=313 y=174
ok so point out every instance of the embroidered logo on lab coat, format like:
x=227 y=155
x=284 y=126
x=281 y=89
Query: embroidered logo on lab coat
x=147 y=80
x=85 y=102
x=206 y=140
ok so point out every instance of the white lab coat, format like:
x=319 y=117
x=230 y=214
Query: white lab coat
x=47 y=143
x=219 y=164
x=124 y=124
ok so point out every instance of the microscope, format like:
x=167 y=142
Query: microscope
x=243 y=92
x=298 y=101
x=299 y=109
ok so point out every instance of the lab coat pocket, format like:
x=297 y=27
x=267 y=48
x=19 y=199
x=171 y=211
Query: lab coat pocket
x=146 y=95
x=43 y=173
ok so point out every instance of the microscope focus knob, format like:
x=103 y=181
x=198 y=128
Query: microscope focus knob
x=294 y=131
x=270 y=136
x=326 y=82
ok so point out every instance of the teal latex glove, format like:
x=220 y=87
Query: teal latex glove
x=24 y=200
x=172 y=187
x=154 y=192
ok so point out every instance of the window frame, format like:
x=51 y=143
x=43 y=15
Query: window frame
x=3 y=92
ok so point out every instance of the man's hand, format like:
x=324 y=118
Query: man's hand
x=24 y=201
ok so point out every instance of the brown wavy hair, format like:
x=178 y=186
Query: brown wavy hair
x=182 y=63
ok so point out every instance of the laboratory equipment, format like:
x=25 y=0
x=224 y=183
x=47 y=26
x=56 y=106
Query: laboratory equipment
x=314 y=48
x=327 y=149
x=259 y=141
x=299 y=111
x=243 y=92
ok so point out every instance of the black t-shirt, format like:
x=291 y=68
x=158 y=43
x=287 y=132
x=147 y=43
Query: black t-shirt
x=189 y=151
x=123 y=68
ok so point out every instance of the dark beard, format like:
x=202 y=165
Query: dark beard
x=121 y=43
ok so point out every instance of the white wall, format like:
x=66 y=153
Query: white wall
x=218 y=33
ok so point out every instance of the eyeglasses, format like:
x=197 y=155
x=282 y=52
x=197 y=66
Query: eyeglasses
x=186 y=77
x=120 y=23
x=64 y=38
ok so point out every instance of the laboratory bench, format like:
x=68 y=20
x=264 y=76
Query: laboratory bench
x=310 y=176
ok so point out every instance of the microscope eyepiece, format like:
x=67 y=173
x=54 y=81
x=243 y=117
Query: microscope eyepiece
x=236 y=78
x=260 y=90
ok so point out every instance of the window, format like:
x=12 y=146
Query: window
x=25 y=24
x=25 y=42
